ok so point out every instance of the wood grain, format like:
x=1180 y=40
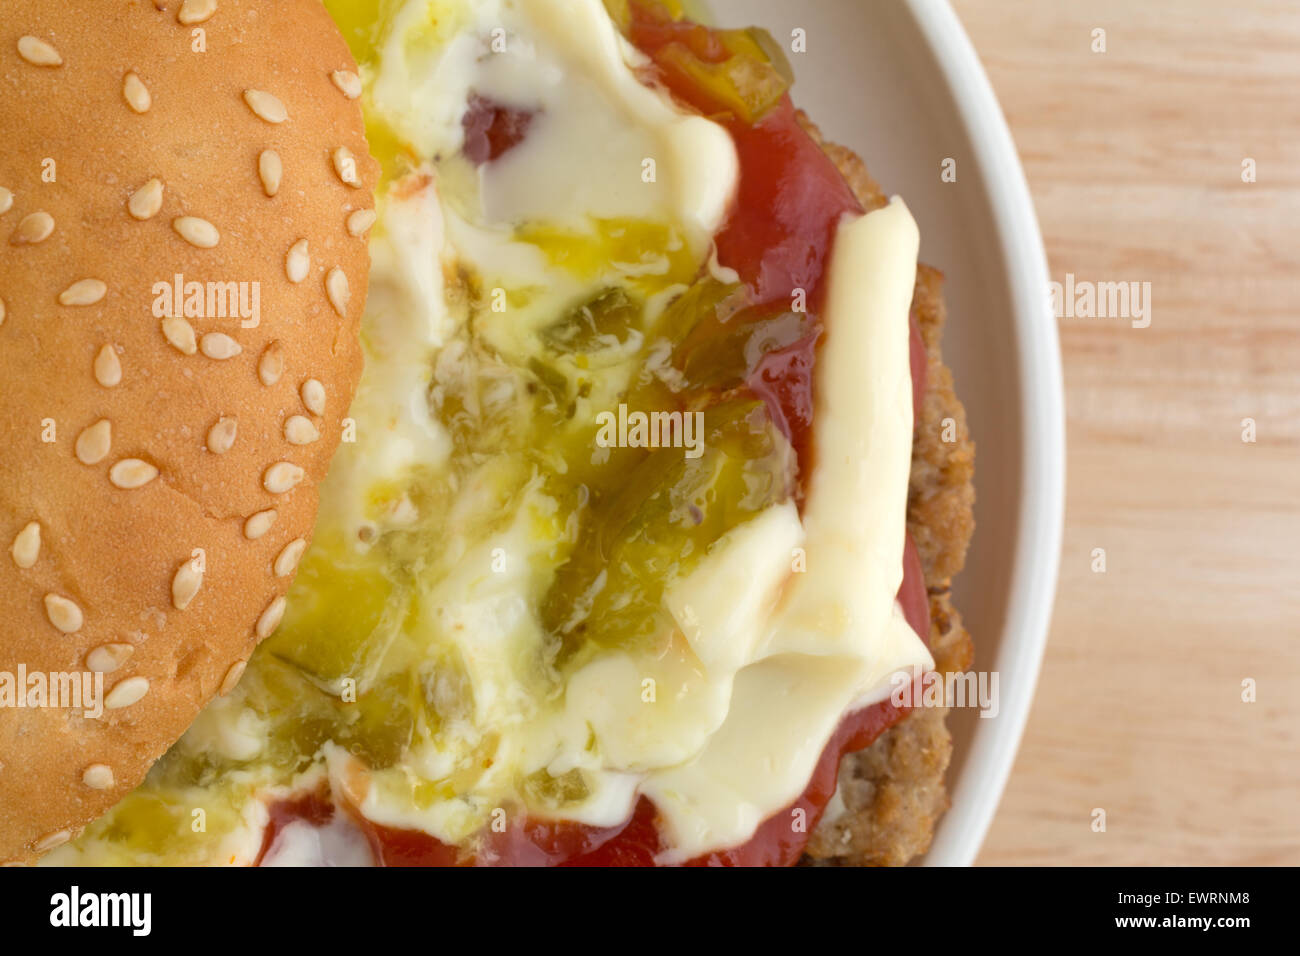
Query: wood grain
x=1134 y=157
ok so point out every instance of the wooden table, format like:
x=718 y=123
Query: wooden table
x=1135 y=158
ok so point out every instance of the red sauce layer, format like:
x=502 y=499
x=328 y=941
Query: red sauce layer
x=491 y=129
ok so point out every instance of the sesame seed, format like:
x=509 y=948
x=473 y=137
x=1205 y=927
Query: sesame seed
x=259 y=524
x=298 y=262
x=108 y=370
x=180 y=334
x=127 y=692
x=98 y=776
x=146 y=201
x=221 y=436
x=63 y=614
x=345 y=164
x=271 y=170
x=196 y=11
x=27 y=546
x=359 y=222
x=94 y=442
x=6 y=200
x=132 y=473
x=235 y=672
x=349 y=83
x=83 y=292
x=271 y=365
x=33 y=228
x=185 y=585
x=52 y=840
x=197 y=232
x=313 y=396
x=107 y=658
x=282 y=477
x=2 y=311
x=219 y=346
x=336 y=289
x=270 y=619
x=136 y=93
x=287 y=560
x=38 y=52
x=298 y=430
x=265 y=106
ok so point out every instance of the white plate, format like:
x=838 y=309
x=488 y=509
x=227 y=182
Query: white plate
x=898 y=81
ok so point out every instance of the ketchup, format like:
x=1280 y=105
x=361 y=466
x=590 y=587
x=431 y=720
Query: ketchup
x=492 y=129
x=790 y=202
x=315 y=808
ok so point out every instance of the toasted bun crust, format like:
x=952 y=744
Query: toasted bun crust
x=134 y=450
x=893 y=792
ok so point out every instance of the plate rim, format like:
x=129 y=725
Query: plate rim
x=1040 y=518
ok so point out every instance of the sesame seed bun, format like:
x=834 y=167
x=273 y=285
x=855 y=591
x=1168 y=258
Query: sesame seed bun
x=158 y=473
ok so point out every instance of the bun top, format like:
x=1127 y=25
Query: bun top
x=184 y=197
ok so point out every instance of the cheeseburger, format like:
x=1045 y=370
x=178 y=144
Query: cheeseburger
x=641 y=515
